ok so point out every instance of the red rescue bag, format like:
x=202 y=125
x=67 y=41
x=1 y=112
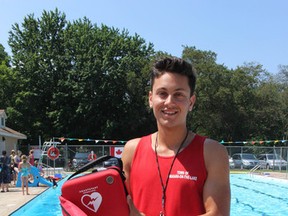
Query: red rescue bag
x=100 y=193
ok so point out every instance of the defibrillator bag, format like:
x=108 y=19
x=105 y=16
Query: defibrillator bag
x=100 y=193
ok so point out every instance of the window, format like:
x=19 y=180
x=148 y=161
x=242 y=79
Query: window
x=2 y=123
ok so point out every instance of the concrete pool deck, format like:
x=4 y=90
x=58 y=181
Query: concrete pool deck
x=278 y=175
x=14 y=199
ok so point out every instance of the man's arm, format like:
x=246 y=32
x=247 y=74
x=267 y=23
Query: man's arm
x=216 y=192
x=127 y=157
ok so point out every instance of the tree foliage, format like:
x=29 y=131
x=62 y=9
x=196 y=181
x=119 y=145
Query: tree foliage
x=239 y=104
x=78 y=79
x=9 y=84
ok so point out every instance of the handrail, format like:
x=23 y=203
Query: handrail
x=46 y=165
x=255 y=168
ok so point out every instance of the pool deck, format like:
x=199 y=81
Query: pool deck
x=278 y=175
x=14 y=199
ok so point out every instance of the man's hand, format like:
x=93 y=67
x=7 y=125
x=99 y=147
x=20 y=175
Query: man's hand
x=133 y=210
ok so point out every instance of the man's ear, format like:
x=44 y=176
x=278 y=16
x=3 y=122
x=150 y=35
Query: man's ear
x=150 y=99
x=192 y=102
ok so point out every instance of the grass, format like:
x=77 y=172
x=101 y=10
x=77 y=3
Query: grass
x=239 y=171
x=243 y=171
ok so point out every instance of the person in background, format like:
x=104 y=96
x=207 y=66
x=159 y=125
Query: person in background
x=24 y=168
x=12 y=155
x=92 y=156
x=185 y=173
x=17 y=160
x=13 y=172
x=31 y=161
x=5 y=174
x=39 y=167
x=31 y=157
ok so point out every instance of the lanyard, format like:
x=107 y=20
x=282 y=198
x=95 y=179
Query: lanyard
x=164 y=187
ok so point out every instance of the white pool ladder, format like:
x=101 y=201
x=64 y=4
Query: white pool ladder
x=45 y=147
x=252 y=171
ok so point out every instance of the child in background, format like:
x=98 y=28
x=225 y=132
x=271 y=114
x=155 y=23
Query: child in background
x=31 y=157
x=24 y=168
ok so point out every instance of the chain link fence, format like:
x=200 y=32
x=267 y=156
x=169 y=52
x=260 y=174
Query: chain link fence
x=268 y=158
x=70 y=161
x=258 y=150
x=74 y=156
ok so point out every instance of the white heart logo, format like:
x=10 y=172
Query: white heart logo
x=92 y=201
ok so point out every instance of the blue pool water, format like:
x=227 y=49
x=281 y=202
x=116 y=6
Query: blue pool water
x=257 y=195
x=45 y=204
x=251 y=196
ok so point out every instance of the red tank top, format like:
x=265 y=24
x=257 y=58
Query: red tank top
x=184 y=194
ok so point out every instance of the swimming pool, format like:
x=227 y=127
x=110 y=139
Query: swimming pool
x=258 y=195
x=47 y=203
x=251 y=196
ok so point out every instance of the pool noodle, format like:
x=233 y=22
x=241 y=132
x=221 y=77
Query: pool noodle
x=37 y=178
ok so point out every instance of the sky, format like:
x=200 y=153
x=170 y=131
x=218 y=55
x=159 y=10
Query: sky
x=238 y=32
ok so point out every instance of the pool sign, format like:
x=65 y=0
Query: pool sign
x=53 y=153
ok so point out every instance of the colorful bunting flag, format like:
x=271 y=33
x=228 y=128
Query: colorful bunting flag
x=62 y=139
x=122 y=142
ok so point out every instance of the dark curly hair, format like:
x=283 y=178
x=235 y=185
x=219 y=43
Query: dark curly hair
x=174 y=65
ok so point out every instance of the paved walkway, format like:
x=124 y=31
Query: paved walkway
x=14 y=199
x=277 y=175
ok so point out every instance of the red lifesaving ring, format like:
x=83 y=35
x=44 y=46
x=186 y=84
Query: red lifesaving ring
x=53 y=153
x=92 y=157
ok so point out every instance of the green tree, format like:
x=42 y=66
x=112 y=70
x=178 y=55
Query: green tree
x=10 y=85
x=80 y=80
x=6 y=85
x=282 y=76
x=213 y=95
x=4 y=58
x=235 y=105
x=270 y=111
x=106 y=80
x=247 y=81
x=77 y=79
x=6 y=79
x=282 y=79
x=38 y=57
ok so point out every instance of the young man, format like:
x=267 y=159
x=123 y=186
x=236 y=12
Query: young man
x=174 y=171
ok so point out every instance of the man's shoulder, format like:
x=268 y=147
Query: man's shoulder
x=131 y=145
x=134 y=142
x=212 y=142
x=214 y=150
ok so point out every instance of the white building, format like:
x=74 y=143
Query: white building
x=8 y=137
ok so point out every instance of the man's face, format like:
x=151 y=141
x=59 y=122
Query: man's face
x=170 y=99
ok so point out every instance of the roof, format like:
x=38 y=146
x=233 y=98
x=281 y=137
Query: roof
x=3 y=114
x=8 y=132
